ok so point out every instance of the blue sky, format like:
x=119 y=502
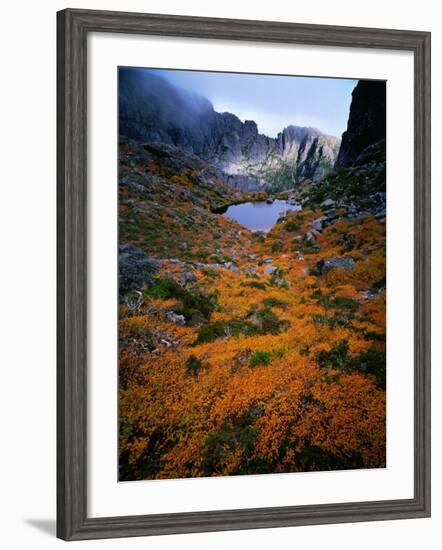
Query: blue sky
x=273 y=102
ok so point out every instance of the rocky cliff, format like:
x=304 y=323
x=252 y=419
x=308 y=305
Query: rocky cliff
x=153 y=110
x=366 y=129
x=358 y=183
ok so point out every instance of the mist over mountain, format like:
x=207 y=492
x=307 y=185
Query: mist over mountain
x=151 y=109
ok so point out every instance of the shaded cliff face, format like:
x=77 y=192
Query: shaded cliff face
x=153 y=110
x=358 y=183
x=366 y=128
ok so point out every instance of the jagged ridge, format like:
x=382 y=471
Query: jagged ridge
x=153 y=110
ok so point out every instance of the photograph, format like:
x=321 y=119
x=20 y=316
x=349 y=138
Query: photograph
x=252 y=274
x=219 y=321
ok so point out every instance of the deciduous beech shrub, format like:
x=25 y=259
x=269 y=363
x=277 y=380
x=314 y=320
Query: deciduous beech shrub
x=231 y=369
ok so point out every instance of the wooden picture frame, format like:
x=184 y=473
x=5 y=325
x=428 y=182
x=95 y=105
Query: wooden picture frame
x=73 y=26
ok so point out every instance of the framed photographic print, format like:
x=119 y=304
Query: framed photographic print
x=243 y=274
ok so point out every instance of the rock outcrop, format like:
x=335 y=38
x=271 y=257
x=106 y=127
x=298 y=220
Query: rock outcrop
x=357 y=185
x=327 y=264
x=136 y=269
x=153 y=110
x=366 y=129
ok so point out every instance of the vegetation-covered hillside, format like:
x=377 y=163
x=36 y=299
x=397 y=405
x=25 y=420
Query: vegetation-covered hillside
x=245 y=352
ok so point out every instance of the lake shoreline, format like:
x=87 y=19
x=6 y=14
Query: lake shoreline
x=259 y=196
x=260 y=216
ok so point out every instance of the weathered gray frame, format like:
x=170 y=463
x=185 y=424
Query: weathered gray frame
x=72 y=28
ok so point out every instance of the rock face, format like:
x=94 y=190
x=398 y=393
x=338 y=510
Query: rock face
x=153 y=110
x=358 y=183
x=366 y=130
x=136 y=269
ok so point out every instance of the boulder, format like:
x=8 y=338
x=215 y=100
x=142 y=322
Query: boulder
x=327 y=264
x=188 y=277
x=231 y=267
x=309 y=237
x=332 y=215
x=251 y=270
x=317 y=224
x=270 y=269
x=136 y=269
x=328 y=203
x=176 y=318
x=209 y=266
x=381 y=214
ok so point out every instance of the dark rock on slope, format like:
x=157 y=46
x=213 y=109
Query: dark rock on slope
x=153 y=110
x=366 y=130
x=136 y=269
x=327 y=264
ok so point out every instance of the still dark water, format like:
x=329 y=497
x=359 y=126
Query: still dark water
x=259 y=216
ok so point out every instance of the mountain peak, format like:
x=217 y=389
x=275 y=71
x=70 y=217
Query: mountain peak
x=151 y=109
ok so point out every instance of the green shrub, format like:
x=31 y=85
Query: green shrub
x=220 y=329
x=372 y=361
x=292 y=225
x=377 y=336
x=331 y=321
x=196 y=306
x=269 y=322
x=341 y=302
x=313 y=457
x=164 y=289
x=220 y=445
x=274 y=302
x=336 y=358
x=193 y=365
x=309 y=249
x=263 y=322
x=254 y=284
x=260 y=358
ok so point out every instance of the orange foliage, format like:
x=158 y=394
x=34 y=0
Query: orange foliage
x=192 y=408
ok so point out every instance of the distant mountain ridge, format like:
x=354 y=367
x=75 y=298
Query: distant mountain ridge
x=151 y=109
